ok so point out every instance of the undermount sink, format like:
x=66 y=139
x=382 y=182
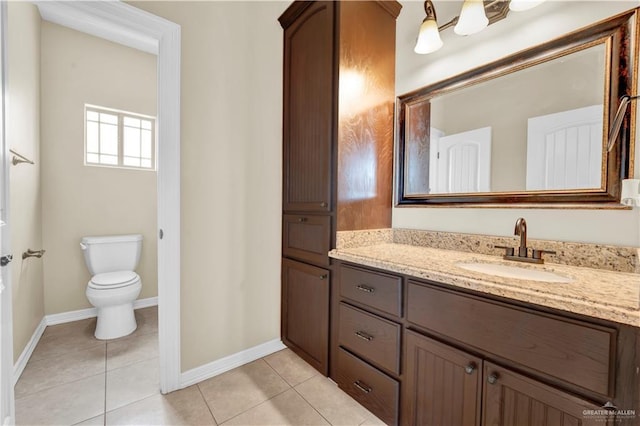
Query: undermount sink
x=516 y=272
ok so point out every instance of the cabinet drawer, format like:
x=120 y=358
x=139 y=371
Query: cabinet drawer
x=375 y=390
x=307 y=237
x=373 y=338
x=377 y=290
x=575 y=352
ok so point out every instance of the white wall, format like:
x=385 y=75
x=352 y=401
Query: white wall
x=79 y=200
x=517 y=32
x=23 y=136
x=231 y=138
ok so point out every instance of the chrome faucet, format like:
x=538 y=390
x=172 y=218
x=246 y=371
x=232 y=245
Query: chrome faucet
x=522 y=253
x=521 y=230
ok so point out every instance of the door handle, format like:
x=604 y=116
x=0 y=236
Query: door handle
x=6 y=259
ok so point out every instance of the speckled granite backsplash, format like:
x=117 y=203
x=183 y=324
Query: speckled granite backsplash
x=368 y=237
x=599 y=256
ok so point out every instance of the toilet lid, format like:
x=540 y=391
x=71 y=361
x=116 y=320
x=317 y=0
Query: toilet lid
x=113 y=279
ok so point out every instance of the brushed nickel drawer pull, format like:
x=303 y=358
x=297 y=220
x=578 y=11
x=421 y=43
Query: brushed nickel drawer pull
x=493 y=378
x=470 y=368
x=365 y=288
x=302 y=219
x=363 y=387
x=364 y=336
x=323 y=277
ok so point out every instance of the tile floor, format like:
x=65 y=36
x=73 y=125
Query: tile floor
x=72 y=378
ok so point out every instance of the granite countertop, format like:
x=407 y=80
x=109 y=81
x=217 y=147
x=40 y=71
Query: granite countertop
x=608 y=295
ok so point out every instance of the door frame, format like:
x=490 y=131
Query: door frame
x=7 y=405
x=124 y=24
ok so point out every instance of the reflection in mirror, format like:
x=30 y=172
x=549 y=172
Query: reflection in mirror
x=526 y=128
x=536 y=129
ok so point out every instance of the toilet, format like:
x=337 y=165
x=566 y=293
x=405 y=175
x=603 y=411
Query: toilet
x=114 y=285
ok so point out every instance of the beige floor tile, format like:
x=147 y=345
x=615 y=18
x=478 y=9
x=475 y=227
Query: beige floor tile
x=236 y=391
x=146 y=323
x=65 y=404
x=147 y=319
x=48 y=372
x=131 y=350
x=373 y=421
x=132 y=383
x=183 y=407
x=291 y=367
x=64 y=338
x=334 y=405
x=288 y=408
x=94 y=421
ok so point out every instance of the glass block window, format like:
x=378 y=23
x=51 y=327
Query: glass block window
x=119 y=139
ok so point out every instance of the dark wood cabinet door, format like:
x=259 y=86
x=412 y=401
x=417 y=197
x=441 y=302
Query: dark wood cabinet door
x=308 y=109
x=305 y=312
x=513 y=399
x=442 y=385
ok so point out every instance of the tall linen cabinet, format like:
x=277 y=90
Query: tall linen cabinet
x=339 y=77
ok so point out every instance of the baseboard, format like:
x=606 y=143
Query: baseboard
x=145 y=303
x=55 y=319
x=21 y=363
x=230 y=362
x=64 y=317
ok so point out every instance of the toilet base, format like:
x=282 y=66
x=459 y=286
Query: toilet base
x=115 y=321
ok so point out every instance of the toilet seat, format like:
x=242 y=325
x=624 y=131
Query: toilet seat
x=111 y=280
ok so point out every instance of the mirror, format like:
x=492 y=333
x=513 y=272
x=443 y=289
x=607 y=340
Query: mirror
x=530 y=128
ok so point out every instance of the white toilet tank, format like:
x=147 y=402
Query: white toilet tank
x=111 y=253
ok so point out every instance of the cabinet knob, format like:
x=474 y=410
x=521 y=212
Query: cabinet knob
x=323 y=204
x=362 y=386
x=302 y=219
x=470 y=368
x=323 y=277
x=493 y=378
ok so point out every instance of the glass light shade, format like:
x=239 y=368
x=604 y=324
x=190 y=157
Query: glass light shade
x=472 y=19
x=520 y=5
x=428 y=38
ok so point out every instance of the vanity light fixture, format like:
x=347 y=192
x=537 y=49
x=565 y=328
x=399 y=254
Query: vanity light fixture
x=429 y=36
x=618 y=119
x=474 y=17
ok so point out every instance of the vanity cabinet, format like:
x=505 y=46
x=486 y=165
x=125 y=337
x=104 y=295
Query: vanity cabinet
x=417 y=352
x=369 y=333
x=448 y=386
x=327 y=187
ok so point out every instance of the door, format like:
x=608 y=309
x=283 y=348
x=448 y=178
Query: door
x=442 y=385
x=512 y=399
x=564 y=150
x=6 y=322
x=308 y=110
x=305 y=312
x=463 y=162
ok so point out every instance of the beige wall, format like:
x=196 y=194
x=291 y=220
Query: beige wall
x=517 y=32
x=23 y=136
x=79 y=200
x=231 y=158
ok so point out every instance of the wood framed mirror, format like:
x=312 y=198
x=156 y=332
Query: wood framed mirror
x=529 y=129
